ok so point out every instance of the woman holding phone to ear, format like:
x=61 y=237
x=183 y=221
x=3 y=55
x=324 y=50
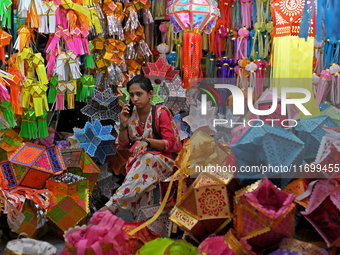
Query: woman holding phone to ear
x=151 y=135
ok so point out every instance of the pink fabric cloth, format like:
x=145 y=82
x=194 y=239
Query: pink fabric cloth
x=108 y=228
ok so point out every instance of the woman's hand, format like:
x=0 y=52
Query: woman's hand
x=124 y=115
x=141 y=146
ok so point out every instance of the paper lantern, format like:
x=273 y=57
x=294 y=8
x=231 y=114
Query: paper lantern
x=102 y=106
x=162 y=226
x=322 y=210
x=32 y=165
x=78 y=162
x=9 y=143
x=155 y=99
x=193 y=17
x=96 y=140
x=310 y=132
x=34 y=224
x=331 y=111
x=264 y=214
x=70 y=201
x=159 y=71
x=268 y=146
x=206 y=207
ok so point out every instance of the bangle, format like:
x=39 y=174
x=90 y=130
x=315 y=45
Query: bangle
x=147 y=141
x=122 y=128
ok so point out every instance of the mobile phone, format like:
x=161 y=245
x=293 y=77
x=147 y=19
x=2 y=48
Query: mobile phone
x=130 y=107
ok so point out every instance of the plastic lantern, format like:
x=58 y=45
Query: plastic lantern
x=171 y=57
x=193 y=17
x=5 y=39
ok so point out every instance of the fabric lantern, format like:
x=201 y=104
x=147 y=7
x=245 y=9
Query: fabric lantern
x=193 y=17
x=331 y=111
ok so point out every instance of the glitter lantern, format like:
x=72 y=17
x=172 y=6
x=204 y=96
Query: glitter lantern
x=80 y=163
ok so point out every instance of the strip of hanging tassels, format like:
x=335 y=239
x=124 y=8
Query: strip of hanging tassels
x=132 y=22
x=42 y=125
x=38 y=63
x=51 y=13
x=28 y=125
x=60 y=67
x=43 y=28
x=147 y=16
x=317 y=54
x=243 y=74
x=74 y=65
x=38 y=92
x=6 y=13
x=71 y=90
x=247 y=13
x=85 y=41
x=251 y=68
x=323 y=86
x=242 y=45
x=260 y=76
x=315 y=81
x=144 y=48
x=237 y=20
x=335 y=71
x=52 y=92
x=77 y=42
x=23 y=38
x=53 y=41
x=8 y=113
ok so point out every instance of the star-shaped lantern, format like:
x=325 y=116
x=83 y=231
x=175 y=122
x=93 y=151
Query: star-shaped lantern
x=156 y=99
x=224 y=130
x=310 y=131
x=182 y=127
x=102 y=106
x=331 y=111
x=96 y=140
x=159 y=71
x=176 y=96
x=197 y=121
x=268 y=146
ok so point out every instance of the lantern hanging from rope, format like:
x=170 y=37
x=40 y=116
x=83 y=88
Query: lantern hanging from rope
x=194 y=17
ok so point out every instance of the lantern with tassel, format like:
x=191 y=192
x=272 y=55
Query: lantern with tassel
x=5 y=39
x=335 y=89
x=193 y=18
x=323 y=85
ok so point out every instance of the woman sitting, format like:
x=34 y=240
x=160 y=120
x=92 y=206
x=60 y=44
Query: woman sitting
x=151 y=135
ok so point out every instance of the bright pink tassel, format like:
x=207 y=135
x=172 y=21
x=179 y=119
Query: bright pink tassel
x=50 y=64
x=260 y=75
x=53 y=41
x=323 y=85
x=85 y=41
x=77 y=42
x=67 y=37
x=60 y=102
x=246 y=12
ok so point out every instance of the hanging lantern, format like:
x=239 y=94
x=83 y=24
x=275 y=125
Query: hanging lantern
x=194 y=17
